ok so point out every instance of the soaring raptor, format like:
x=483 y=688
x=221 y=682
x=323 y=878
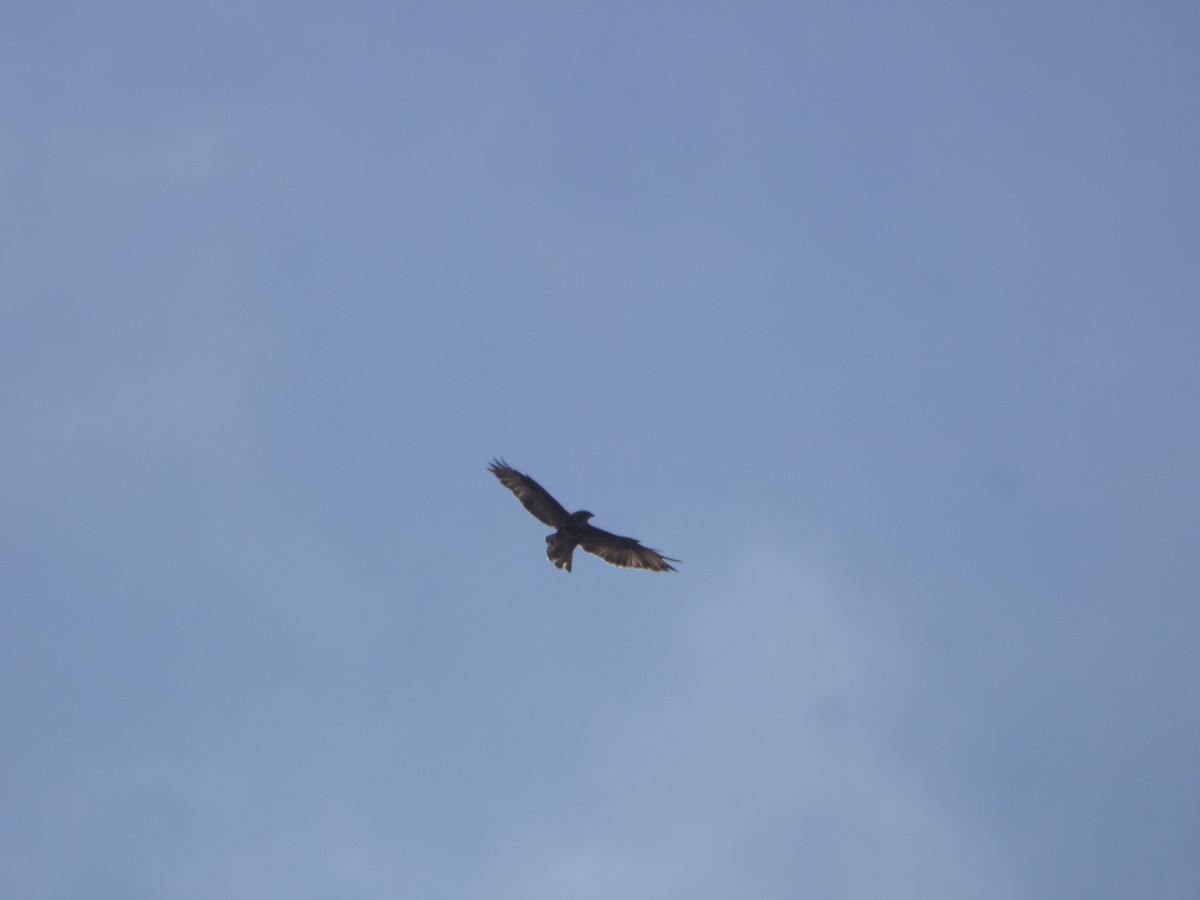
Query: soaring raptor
x=572 y=529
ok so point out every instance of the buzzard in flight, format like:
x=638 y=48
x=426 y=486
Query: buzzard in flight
x=572 y=529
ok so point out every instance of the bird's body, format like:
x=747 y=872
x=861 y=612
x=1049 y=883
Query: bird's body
x=572 y=529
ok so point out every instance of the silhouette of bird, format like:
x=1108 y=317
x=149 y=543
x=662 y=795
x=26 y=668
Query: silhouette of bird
x=572 y=529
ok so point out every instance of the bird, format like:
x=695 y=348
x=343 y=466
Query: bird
x=572 y=529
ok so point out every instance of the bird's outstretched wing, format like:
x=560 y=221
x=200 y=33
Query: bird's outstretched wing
x=623 y=551
x=532 y=495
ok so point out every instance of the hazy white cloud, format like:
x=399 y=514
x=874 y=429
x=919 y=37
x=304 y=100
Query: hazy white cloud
x=764 y=768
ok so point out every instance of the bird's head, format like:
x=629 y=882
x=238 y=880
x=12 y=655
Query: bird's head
x=581 y=517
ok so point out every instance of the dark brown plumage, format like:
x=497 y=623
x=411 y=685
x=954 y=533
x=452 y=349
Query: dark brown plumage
x=572 y=529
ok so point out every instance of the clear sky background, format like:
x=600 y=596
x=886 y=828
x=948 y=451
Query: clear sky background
x=884 y=318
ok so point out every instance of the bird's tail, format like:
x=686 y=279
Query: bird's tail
x=559 y=550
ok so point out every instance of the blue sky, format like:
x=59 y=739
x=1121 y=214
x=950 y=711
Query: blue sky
x=882 y=319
